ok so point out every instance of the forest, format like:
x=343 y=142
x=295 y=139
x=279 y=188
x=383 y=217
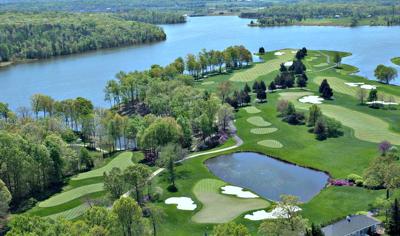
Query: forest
x=43 y=35
x=152 y=17
x=327 y=13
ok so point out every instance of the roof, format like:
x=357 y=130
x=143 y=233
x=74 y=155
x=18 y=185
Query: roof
x=344 y=227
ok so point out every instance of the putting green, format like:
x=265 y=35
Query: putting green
x=219 y=208
x=71 y=195
x=270 y=143
x=71 y=213
x=261 y=68
x=311 y=58
x=252 y=110
x=258 y=121
x=263 y=130
x=122 y=161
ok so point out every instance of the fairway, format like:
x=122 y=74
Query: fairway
x=338 y=85
x=270 y=143
x=71 y=213
x=263 y=130
x=71 y=195
x=122 y=161
x=258 y=121
x=219 y=208
x=260 y=69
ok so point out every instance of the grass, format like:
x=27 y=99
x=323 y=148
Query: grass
x=258 y=121
x=220 y=208
x=260 y=69
x=263 y=130
x=270 y=143
x=71 y=213
x=122 y=161
x=396 y=60
x=71 y=195
x=252 y=110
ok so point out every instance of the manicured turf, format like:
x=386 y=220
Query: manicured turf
x=71 y=195
x=262 y=68
x=208 y=82
x=396 y=61
x=270 y=143
x=263 y=130
x=252 y=110
x=321 y=65
x=122 y=161
x=366 y=127
x=71 y=213
x=220 y=208
x=258 y=121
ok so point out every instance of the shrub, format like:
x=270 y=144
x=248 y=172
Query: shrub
x=157 y=194
x=340 y=182
x=354 y=177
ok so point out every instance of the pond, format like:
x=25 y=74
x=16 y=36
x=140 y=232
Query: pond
x=266 y=176
x=86 y=74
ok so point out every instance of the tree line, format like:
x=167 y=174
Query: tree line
x=44 y=35
x=152 y=17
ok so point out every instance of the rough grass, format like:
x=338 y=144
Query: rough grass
x=270 y=143
x=252 y=110
x=220 y=208
x=263 y=130
x=122 y=161
x=260 y=69
x=71 y=195
x=396 y=61
x=258 y=121
x=71 y=213
x=321 y=65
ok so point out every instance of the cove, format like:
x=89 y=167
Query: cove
x=86 y=74
x=267 y=176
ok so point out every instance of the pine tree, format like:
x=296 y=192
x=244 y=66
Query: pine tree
x=261 y=51
x=256 y=86
x=262 y=86
x=247 y=88
x=393 y=227
x=325 y=90
x=261 y=95
x=272 y=86
x=301 y=82
x=323 y=85
x=246 y=99
x=320 y=130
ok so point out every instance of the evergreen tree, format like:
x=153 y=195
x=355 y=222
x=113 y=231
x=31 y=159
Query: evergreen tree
x=373 y=95
x=256 y=86
x=263 y=87
x=301 y=82
x=325 y=90
x=261 y=95
x=245 y=97
x=283 y=68
x=320 y=129
x=272 y=86
x=247 y=88
x=261 y=50
x=314 y=115
x=393 y=227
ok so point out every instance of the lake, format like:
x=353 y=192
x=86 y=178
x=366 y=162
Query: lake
x=266 y=176
x=86 y=74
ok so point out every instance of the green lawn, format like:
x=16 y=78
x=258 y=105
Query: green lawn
x=221 y=208
x=396 y=61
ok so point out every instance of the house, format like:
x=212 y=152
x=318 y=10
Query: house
x=356 y=225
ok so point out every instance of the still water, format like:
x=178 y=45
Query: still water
x=86 y=74
x=266 y=176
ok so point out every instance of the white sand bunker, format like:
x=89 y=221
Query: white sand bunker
x=311 y=99
x=382 y=103
x=183 y=203
x=238 y=191
x=274 y=214
x=362 y=85
x=279 y=53
x=289 y=63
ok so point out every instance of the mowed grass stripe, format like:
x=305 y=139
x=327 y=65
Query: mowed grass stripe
x=262 y=68
x=263 y=130
x=258 y=121
x=71 y=213
x=122 y=161
x=220 y=208
x=71 y=195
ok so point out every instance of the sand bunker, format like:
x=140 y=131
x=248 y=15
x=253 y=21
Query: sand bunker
x=289 y=63
x=183 y=203
x=362 y=85
x=382 y=103
x=311 y=99
x=238 y=191
x=279 y=53
x=274 y=214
